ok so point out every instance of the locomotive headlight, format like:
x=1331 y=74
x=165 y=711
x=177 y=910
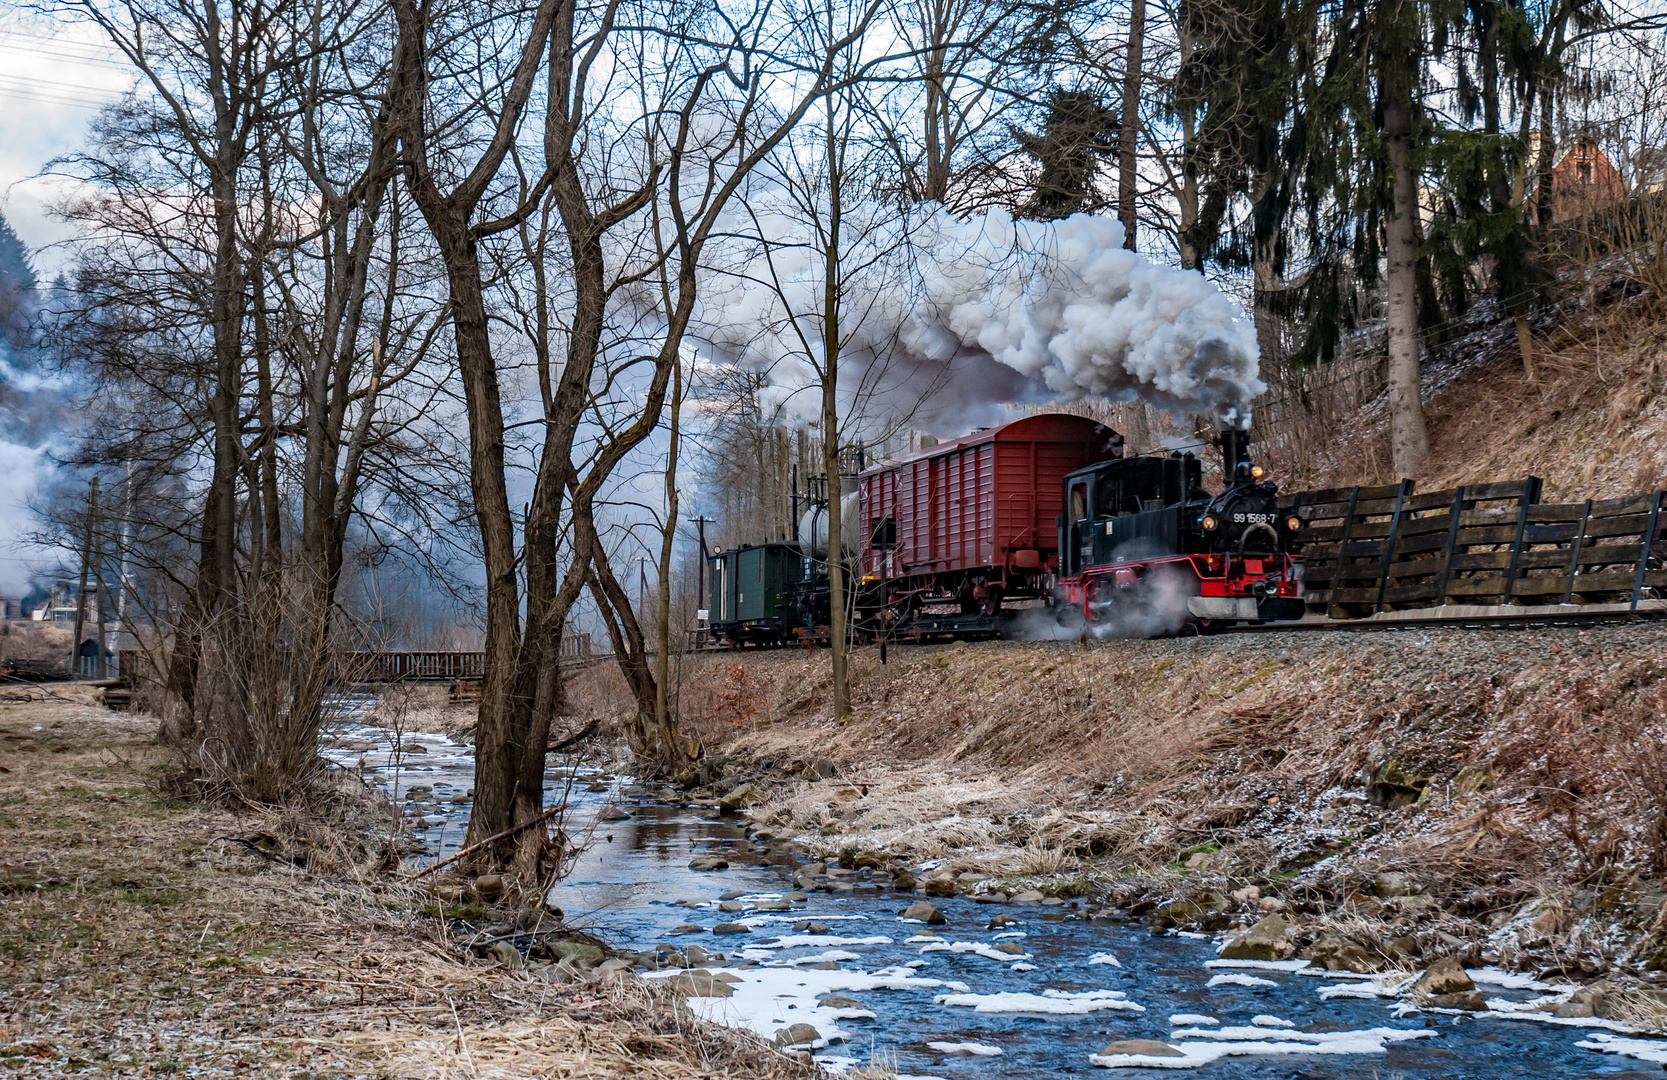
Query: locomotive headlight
x=1209 y=523
x=1257 y=472
x=1293 y=523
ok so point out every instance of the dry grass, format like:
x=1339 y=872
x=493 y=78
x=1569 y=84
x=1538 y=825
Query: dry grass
x=144 y=936
x=1641 y=1012
x=1593 y=425
x=1065 y=759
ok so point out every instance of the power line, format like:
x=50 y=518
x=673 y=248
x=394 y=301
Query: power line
x=61 y=54
x=51 y=43
x=25 y=95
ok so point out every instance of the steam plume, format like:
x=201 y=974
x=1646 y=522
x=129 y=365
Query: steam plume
x=981 y=313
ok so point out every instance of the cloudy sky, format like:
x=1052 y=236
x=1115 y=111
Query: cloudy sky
x=53 y=77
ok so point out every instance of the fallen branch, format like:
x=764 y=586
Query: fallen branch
x=577 y=737
x=472 y=848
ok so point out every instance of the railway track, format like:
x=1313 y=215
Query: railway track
x=1471 y=617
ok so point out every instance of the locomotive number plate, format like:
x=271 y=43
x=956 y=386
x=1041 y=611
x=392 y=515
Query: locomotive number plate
x=1253 y=519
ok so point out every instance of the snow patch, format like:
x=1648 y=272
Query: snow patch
x=761 y=998
x=1643 y=1049
x=1182 y=1019
x=1259 y=965
x=818 y=940
x=1104 y=958
x=1266 y=1021
x=978 y=948
x=1247 y=1041
x=975 y=1049
x=1053 y=1002
x=1239 y=980
x=1508 y=980
x=832 y=957
x=1389 y=984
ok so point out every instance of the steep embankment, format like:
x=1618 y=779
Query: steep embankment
x=1518 y=779
x=1592 y=422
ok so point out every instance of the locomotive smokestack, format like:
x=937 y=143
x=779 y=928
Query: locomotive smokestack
x=1235 y=447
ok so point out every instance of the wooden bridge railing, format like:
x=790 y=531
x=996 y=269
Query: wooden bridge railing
x=387 y=667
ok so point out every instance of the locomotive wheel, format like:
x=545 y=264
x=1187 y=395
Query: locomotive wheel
x=992 y=600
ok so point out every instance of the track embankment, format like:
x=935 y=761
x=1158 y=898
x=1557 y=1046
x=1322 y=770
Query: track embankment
x=1501 y=794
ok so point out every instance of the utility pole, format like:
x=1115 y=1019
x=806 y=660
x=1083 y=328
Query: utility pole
x=700 y=584
x=81 y=592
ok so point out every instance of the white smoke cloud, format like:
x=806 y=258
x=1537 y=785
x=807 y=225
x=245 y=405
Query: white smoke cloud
x=976 y=314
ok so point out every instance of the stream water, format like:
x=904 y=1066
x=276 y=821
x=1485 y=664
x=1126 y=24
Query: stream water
x=943 y=1001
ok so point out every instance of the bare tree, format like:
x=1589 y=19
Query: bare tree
x=237 y=226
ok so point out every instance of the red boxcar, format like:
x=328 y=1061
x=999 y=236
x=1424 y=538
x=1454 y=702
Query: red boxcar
x=977 y=517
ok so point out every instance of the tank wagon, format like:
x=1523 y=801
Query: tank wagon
x=974 y=537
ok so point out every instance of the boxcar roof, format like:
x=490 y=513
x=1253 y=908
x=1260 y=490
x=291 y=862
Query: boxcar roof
x=1043 y=427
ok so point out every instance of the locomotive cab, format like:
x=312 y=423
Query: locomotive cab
x=1121 y=510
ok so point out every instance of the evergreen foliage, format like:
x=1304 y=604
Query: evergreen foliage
x=1077 y=132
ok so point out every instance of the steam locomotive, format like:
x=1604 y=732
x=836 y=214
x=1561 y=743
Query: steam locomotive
x=1036 y=528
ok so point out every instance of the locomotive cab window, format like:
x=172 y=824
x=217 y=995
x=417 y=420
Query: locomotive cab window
x=1079 y=501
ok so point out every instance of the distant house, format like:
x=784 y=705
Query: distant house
x=1584 y=180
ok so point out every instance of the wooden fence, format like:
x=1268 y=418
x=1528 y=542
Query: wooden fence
x=1374 y=549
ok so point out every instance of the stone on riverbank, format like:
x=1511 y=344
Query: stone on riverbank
x=579 y=952
x=925 y=912
x=709 y=862
x=699 y=984
x=1445 y=976
x=840 y=1001
x=796 y=1035
x=1029 y=896
x=1393 y=883
x=1334 y=952
x=1267 y=940
x=939 y=886
x=742 y=795
x=732 y=928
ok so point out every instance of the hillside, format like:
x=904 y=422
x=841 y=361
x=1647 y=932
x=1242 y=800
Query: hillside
x=1592 y=423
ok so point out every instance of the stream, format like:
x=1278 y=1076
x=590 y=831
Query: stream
x=1038 y=997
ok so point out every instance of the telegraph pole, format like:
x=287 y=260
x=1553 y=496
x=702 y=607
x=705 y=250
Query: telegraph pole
x=700 y=584
x=81 y=592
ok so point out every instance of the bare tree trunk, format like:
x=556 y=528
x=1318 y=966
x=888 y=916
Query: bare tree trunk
x=1409 y=439
x=1187 y=196
x=1543 y=205
x=1267 y=281
x=830 y=430
x=499 y=735
x=1127 y=136
x=662 y=705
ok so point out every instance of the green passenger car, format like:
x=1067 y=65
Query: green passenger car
x=746 y=586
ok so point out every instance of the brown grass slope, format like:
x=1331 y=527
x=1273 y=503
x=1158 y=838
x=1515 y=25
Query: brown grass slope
x=1503 y=763
x=1592 y=423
